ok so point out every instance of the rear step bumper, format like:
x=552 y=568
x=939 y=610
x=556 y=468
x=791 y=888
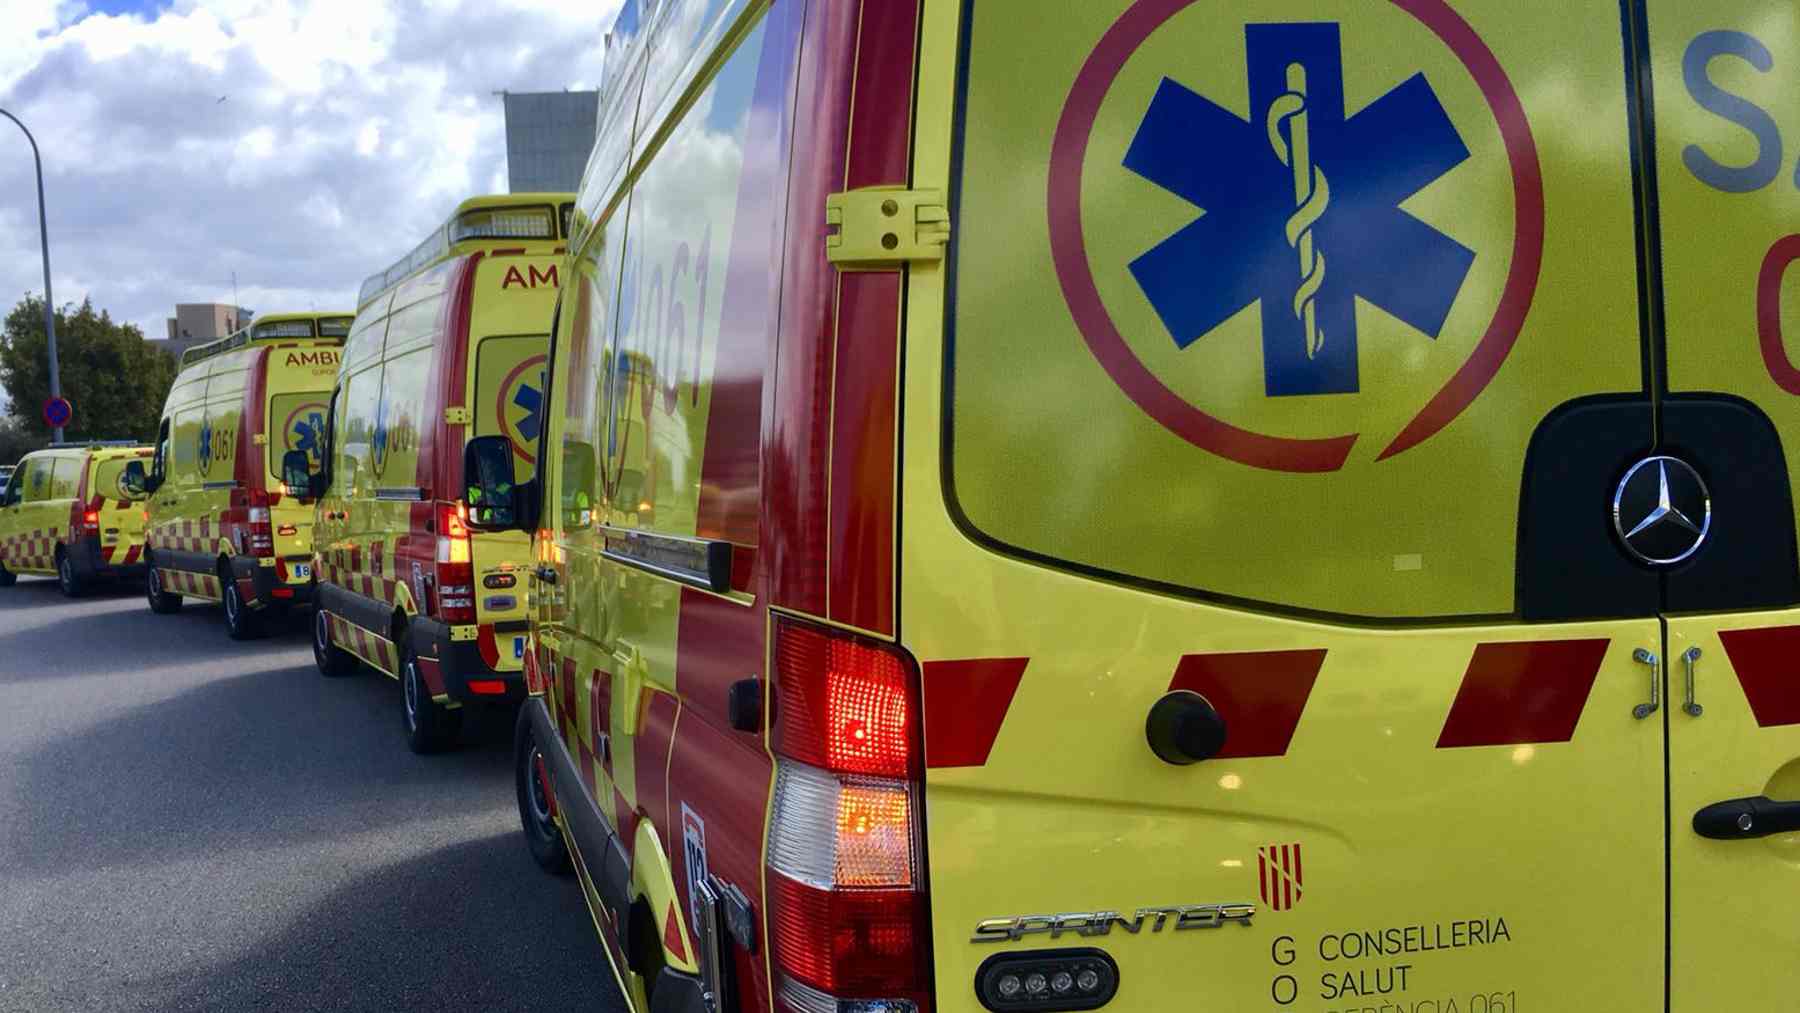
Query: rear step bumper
x=90 y=560
x=257 y=585
x=459 y=663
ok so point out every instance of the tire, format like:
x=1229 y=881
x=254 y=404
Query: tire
x=162 y=602
x=66 y=578
x=333 y=661
x=542 y=836
x=241 y=622
x=7 y=577
x=430 y=726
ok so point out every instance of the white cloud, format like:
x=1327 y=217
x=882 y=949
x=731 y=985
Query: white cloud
x=302 y=144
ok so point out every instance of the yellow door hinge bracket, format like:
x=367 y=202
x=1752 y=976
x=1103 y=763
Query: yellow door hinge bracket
x=458 y=416
x=882 y=228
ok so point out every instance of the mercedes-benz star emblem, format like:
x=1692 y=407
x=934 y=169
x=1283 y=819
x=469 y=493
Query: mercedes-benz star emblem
x=1662 y=511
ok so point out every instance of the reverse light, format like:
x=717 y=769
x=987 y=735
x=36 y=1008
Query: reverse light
x=849 y=922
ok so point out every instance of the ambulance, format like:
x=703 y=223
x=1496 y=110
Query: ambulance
x=223 y=526
x=1177 y=506
x=449 y=344
x=73 y=511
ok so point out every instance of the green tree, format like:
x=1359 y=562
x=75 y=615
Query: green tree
x=115 y=381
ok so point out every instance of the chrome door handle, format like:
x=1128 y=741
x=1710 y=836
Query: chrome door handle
x=1647 y=657
x=1692 y=657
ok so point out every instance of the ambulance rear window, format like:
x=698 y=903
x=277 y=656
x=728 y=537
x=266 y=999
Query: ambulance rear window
x=105 y=478
x=1164 y=369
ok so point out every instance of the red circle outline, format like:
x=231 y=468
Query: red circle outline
x=1277 y=453
x=500 y=406
x=287 y=427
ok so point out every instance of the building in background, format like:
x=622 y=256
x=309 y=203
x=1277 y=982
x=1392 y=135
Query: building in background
x=548 y=137
x=197 y=323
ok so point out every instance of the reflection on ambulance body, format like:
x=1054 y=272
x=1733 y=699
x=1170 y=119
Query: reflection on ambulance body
x=1249 y=474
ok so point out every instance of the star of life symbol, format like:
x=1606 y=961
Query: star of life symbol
x=205 y=448
x=531 y=400
x=1299 y=187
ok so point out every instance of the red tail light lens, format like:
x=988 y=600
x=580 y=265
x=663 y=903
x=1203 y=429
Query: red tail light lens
x=849 y=921
x=846 y=704
x=455 y=566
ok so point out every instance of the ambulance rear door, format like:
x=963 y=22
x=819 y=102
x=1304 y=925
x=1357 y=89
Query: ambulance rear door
x=1265 y=413
x=515 y=297
x=1726 y=78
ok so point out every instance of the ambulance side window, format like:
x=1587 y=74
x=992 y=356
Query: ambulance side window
x=578 y=491
x=37 y=479
x=360 y=403
x=327 y=441
x=160 y=463
x=64 y=476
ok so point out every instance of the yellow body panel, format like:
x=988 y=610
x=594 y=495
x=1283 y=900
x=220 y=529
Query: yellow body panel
x=1727 y=76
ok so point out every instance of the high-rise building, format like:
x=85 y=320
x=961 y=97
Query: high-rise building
x=197 y=323
x=548 y=137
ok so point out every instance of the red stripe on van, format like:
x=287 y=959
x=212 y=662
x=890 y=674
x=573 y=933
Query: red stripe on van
x=863 y=426
x=250 y=470
x=797 y=437
x=1764 y=660
x=1528 y=691
x=965 y=703
x=1260 y=694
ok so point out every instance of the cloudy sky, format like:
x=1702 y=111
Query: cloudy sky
x=300 y=143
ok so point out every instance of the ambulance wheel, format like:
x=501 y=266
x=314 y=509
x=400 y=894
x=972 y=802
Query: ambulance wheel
x=66 y=578
x=332 y=660
x=161 y=602
x=7 y=577
x=241 y=622
x=535 y=806
x=430 y=726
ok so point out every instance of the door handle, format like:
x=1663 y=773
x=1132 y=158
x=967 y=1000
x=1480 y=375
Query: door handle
x=1692 y=657
x=1646 y=657
x=1744 y=818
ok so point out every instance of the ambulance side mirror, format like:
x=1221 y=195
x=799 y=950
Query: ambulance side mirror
x=495 y=499
x=297 y=474
x=134 y=481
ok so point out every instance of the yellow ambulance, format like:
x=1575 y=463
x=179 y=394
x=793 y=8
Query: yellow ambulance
x=74 y=511
x=1163 y=505
x=449 y=344
x=223 y=526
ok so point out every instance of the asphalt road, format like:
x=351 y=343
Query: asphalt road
x=189 y=823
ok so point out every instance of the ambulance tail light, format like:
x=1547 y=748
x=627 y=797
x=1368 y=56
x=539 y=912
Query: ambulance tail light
x=848 y=921
x=455 y=565
x=260 y=538
x=90 y=522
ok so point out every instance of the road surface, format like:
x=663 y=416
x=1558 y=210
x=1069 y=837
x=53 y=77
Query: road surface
x=189 y=823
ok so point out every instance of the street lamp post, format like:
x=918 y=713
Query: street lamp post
x=44 y=240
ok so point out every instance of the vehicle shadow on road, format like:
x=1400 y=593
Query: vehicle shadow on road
x=376 y=944
x=272 y=754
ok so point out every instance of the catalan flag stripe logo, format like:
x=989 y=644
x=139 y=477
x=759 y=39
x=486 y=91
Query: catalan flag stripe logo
x=1279 y=871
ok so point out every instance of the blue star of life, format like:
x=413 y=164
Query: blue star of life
x=532 y=400
x=1302 y=209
